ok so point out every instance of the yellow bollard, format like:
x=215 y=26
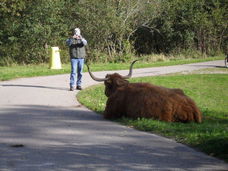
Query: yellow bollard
x=55 y=62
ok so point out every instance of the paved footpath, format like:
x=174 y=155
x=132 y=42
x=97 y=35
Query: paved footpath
x=43 y=127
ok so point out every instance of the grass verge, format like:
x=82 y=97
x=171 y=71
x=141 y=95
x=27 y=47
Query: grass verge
x=17 y=71
x=210 y=91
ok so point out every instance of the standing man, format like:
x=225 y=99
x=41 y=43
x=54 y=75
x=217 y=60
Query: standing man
x=77 y=55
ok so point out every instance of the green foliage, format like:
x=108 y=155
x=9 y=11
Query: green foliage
x=211 y=136
x=115 y=29
x=197 y=25
x=28 y=32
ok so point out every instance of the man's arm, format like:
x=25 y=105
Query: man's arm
x=84 y=41
x=69 y=42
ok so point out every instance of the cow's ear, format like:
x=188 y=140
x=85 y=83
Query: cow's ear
x=108 y=81
x=121 y=82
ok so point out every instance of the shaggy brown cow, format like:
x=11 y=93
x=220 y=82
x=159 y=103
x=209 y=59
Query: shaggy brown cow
x=146 y=100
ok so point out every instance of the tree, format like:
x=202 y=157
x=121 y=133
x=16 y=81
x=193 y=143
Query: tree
x=113 y=28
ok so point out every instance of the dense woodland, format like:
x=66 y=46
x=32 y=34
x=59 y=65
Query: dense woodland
x=114 y=29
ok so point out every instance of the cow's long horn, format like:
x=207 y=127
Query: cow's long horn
x=130 y=71
x=95 y=78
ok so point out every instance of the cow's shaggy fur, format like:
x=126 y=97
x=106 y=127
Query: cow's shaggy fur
x=147 y=100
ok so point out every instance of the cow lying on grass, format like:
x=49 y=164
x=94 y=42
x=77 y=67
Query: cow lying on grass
x=146 y=100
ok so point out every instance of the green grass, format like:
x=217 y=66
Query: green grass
x=210 y=92
x=17 y=71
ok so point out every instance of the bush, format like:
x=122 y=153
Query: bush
x=115 y=30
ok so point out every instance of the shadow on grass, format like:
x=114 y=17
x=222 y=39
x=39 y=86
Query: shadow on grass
x=215 y=146
x=210 y=136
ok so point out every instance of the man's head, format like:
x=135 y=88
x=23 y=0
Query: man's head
x=77 y=32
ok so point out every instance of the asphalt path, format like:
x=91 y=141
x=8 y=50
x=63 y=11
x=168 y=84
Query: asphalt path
x=44 y=127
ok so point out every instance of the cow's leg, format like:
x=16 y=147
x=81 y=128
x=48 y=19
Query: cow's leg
x=114 y=108
x=166 y=115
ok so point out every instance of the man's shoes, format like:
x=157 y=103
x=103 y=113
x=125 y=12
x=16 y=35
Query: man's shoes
x=79 y=88
x=71 y=88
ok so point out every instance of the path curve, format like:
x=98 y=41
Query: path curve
x=43 y=127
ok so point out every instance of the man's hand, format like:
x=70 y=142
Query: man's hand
x=76 y=37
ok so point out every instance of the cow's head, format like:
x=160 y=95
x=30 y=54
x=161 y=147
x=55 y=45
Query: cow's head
x=113 y=81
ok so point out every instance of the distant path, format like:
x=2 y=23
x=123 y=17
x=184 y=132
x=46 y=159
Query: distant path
x=52 y=131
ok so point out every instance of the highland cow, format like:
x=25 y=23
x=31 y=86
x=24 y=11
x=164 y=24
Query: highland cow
x=146 y=100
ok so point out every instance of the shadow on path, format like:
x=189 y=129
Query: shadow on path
x=77 y=139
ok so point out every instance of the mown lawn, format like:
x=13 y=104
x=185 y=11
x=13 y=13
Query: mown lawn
x=210 y=91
